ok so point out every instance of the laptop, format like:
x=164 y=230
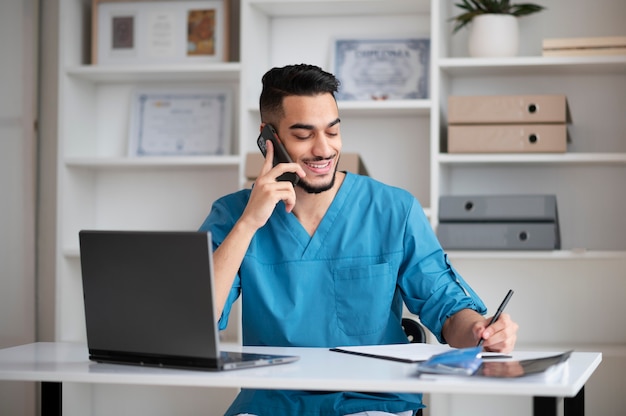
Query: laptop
x=149 y=301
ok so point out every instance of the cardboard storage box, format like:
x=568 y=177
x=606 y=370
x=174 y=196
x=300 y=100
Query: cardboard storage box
x=497 y=109
x=507 y=138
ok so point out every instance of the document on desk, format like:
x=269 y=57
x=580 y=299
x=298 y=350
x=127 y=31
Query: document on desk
x=405 y=353
x=548 y=366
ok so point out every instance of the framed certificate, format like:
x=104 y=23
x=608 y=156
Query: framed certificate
x=159 y=31
x=382 y=69
x=180 y=122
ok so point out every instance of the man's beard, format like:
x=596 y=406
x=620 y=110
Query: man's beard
x=310 y=189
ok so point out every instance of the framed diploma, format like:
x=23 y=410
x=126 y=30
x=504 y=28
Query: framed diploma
x=180 y=122
x=159 y=31
x=382 y=69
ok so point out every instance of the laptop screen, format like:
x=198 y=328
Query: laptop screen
x=149 y=293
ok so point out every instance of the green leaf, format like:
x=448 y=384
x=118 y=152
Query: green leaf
x=473 y=8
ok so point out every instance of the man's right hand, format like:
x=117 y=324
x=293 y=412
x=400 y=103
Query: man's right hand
x=267 y=191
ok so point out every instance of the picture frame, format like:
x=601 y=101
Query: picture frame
x=159 y=31
x=180 y=122
x=382 y=68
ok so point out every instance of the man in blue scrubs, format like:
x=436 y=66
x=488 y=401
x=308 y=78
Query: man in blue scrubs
x=331 y=261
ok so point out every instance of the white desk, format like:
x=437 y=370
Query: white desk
x=318 y=369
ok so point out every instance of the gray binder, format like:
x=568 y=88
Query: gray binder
x=498 y=208
x=499 y=222
x=498 y=236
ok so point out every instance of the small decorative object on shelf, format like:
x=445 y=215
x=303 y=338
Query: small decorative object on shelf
x=493 y=31
x=159 y=31
x=592 y=46
x=382 y=69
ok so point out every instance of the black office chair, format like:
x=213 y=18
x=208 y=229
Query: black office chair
x=413 y=330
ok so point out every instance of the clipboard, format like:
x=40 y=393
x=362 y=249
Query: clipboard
x=411 y=353
x=520 y=368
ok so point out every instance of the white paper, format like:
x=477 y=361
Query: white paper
x=407 y=352
x=412 y=352
x=161 y=31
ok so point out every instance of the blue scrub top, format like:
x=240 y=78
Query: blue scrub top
x=373 y=250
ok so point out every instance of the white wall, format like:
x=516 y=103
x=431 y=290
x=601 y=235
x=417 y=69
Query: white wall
x=18 y=22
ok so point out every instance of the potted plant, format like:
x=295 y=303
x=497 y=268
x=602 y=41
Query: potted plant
x=493 y=30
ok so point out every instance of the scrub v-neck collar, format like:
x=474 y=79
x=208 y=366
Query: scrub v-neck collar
x=312 y=244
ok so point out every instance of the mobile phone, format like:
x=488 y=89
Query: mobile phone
x=280 y=154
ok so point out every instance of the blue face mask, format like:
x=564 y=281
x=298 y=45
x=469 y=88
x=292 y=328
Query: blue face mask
x=462 y=361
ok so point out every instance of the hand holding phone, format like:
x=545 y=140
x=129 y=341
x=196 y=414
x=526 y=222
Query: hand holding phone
x=280 y=154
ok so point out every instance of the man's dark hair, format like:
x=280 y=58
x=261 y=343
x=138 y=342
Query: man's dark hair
x=301 y=79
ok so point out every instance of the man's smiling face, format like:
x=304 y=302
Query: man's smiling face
x=310 y=133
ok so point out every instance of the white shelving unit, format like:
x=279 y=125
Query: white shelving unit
x=561 y=296
x=101 y=187
x=575 y=293
x=596 y=158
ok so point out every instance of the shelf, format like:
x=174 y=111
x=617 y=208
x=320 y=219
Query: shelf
x=385 y=108
x=577 y=254
x=227 y=71
x=151 y=162
x=311 y=8
x=534 y=65
x=377 y=108
x=529 y=158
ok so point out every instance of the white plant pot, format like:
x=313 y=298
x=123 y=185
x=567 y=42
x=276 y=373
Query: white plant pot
x=494 y=35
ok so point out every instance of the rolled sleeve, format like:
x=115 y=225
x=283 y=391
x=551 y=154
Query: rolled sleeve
x=432 y=288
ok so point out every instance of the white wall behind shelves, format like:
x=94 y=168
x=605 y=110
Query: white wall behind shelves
x=174 y=198
x=400 y=141
x=319 y=43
